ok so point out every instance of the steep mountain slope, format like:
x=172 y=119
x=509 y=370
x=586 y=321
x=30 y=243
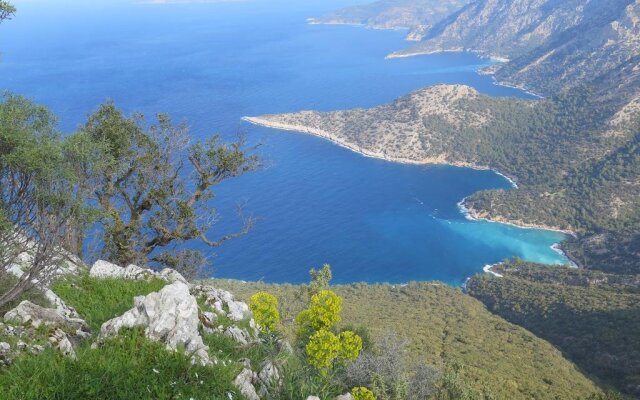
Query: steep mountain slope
x=552 y=44
x=591 y=316
x=419 y=16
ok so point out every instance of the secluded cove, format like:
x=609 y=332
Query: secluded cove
x=314 y=202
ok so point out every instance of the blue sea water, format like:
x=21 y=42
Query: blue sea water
x=211 y=63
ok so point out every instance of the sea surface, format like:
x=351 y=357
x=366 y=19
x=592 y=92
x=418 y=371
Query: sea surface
x=211 y=63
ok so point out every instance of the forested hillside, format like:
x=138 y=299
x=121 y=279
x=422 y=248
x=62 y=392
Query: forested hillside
x=593 y=317
x=443 y=327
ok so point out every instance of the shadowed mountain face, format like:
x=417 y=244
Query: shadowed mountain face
x=419 y=16
x=552 y=44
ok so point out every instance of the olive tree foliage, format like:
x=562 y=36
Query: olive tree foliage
x=152 y=187
x=37 y=197
x=7 y=10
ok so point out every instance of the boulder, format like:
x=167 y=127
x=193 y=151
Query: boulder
x=60 y=341
x=135 y=273
x=28 y=313
x=4 y=347
x=222 y=302
x=244 y=382
x=268 y=377
x=171 y=275
x=346 y=396
x=170 y=316
x=241 y=336
x=208 y=319
x=313 y=398
x=105 y=269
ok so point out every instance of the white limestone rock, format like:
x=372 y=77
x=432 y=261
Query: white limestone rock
x=170 y=316
x=171 y=275
x=29 y=313
x=268 y=377
x=244 y=382
x=241 y=336
x=104 y=269
x=223 y=302
x=60 y=341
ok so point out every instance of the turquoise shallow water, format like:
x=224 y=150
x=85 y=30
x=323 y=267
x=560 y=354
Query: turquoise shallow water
x=211 y=64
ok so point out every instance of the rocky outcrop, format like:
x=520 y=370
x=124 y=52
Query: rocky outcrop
x=222 y=302
x=268 y=377
x=28 y=313
x=244 y=382
x=106 y=270
x=169 y=316
x=66 y=264
x=28 y=317
x=247 y=381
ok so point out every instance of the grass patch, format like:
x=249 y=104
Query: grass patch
x=126 y=367
x=99 y=300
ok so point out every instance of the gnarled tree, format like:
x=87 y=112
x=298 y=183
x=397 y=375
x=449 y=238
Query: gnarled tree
x=152 y=187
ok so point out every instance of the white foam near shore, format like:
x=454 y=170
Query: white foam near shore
x=558 y=249
x=487 y=269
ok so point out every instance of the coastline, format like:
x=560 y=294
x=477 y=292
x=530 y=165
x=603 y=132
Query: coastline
x=493 y=57
x=487 y=270
x=472 y=215
x=468 y=213
x=436 y=160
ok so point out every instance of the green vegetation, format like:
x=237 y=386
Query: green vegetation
x=444 y=328
x=6 y=10
x=33 y=294
x=264 y=307
x=99 y=300
x=151 y=186
x=127 y=367
x=592 y=317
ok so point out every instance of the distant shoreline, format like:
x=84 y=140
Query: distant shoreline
x=472 y=215
x=437 y=160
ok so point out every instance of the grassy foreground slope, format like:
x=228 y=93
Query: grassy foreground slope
x=593 y=317
x=125 y=367
x=444 y=327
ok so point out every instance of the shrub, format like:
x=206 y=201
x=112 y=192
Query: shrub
x=264 y=307
x=362 y=393
x=350 y=345
x=323 y=313
x=322 y=350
